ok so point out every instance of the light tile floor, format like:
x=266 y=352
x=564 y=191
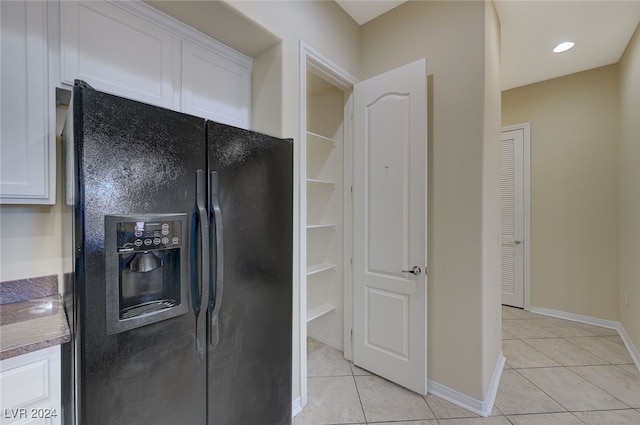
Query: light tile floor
x=557 y=373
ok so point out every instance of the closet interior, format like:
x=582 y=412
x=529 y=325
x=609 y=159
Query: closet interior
x=325 y=211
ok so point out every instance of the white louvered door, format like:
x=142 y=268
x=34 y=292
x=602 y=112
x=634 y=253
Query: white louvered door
x=512 y=223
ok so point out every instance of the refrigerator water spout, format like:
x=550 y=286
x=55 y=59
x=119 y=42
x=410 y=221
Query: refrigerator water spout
x=145 y=262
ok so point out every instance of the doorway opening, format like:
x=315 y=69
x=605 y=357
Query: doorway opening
x=326 y=207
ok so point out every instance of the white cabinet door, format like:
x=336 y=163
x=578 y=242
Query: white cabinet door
x=118 y=52
x=215 y=87
x=27 y=143
x=31 y=388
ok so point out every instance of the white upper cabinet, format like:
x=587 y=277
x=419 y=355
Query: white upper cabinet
x=214 y=86
x=27 y=141
x=126 y=48
x=133 y=50
x=118 y=52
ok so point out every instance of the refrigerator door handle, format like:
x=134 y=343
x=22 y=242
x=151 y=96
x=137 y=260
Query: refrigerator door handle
x=216 y=215
x=201 y=205
x=193 y=261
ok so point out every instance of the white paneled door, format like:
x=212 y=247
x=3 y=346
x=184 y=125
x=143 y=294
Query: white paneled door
x=390 y=151
x=512 y=223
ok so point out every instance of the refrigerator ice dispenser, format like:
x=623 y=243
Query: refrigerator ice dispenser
x=145 y=269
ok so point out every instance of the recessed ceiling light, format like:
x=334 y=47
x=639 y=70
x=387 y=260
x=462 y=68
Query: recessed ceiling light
x=563 y=47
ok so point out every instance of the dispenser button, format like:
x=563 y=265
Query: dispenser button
x=138 y=242
x=175 y=239
x=165 y=240
x=138 y=233
x=148 y=241
x=156 y=241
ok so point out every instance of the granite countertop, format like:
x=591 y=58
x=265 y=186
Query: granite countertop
x=32 y=324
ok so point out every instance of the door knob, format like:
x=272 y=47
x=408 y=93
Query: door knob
x=414 y=270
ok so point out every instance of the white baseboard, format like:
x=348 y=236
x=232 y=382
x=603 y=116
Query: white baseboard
x=295 y=407
x=479 y=407
x=495 y=384
x=633 y=351
x=610 y=324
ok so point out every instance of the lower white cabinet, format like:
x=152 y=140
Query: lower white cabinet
x=30 y=388
x=27 y=142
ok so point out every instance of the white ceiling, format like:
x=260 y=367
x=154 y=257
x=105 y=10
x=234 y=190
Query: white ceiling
x=530 y=29
x=362 y=11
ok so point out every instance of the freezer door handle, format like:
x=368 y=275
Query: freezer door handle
x=201 y=205
x=217 y=280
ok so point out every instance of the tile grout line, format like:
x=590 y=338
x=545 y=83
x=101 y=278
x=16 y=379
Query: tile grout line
x=355 y=382
x=598 y=386
x=537 y=351
x=545 y=413
x=536 y=386
x=571 y=371
x=607 y=363
x=568 y=342
x=563 y=351
x=543 y=391
x=424 y=397
x=579 y=376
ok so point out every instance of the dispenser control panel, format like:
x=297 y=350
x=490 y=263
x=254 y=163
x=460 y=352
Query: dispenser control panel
x=148 y=235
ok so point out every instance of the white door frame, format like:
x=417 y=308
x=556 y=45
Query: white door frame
x=526 y=128
x=312 y=60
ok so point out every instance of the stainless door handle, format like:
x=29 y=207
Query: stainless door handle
x=516 y=242
x=414 y=270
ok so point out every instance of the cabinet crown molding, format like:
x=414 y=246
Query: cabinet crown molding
x=155 y=16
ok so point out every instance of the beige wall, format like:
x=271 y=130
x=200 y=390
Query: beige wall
x=266 y=94
x=491 y=157
x=30 y=241
x=574 y=180
x=629 y=193
x=31 y=236
x=461 y=203
x=321 y=24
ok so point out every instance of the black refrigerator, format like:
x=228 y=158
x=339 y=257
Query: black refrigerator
x=180 y=293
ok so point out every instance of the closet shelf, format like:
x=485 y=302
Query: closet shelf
x=321 y=226
x=316 y=141
x=315 y=182
x=319 y=311
x=318 y=268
